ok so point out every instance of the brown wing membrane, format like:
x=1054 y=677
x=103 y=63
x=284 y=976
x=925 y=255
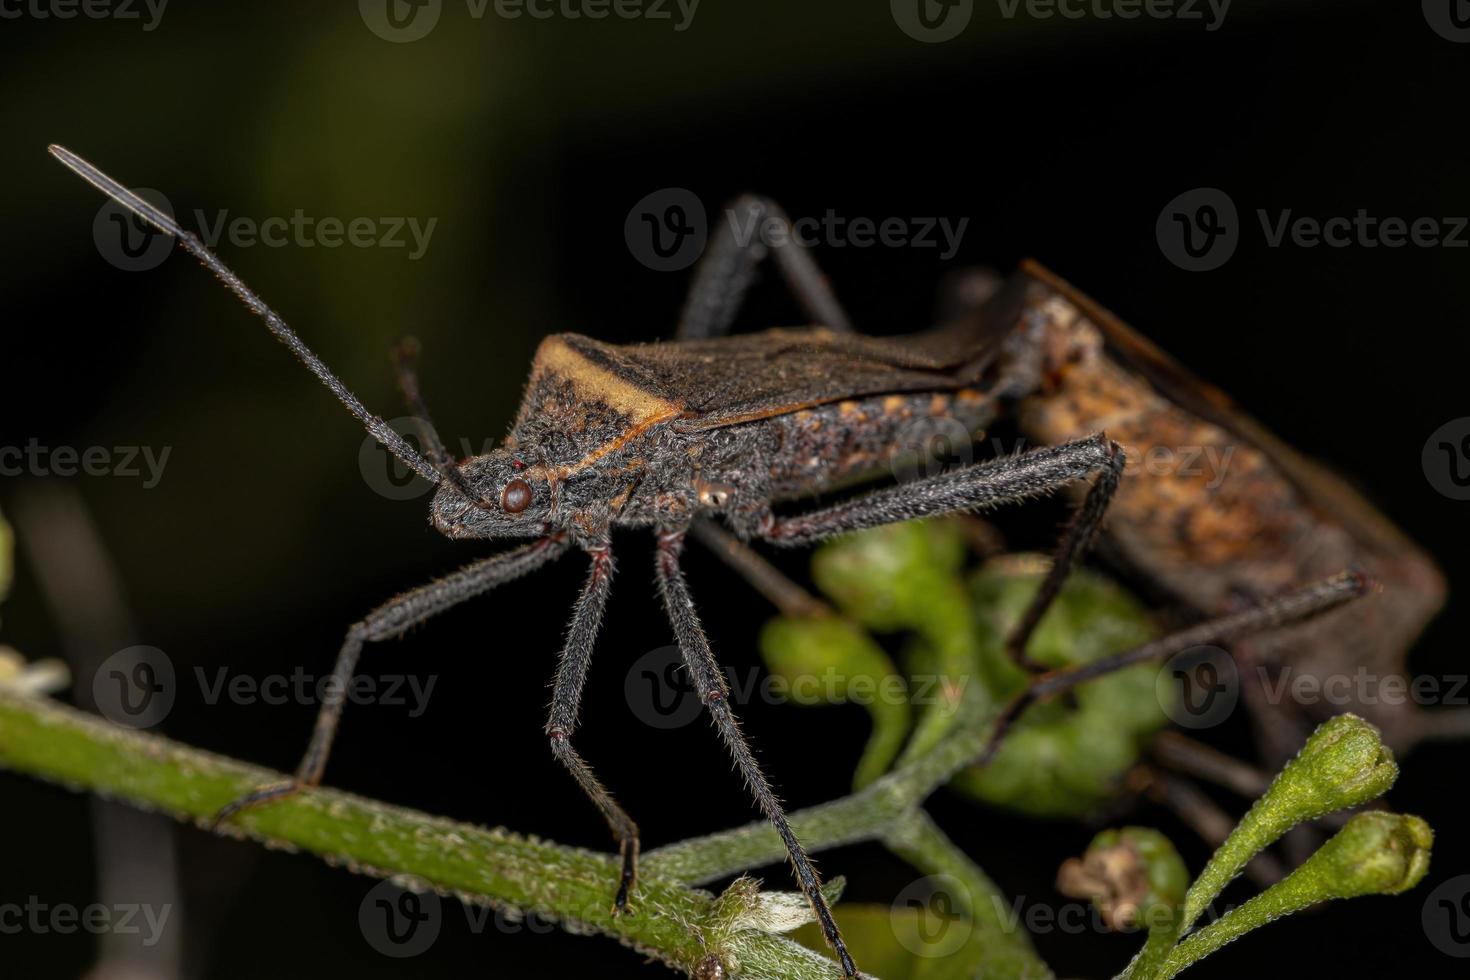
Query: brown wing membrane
x=1321 y=487
x=729 y=380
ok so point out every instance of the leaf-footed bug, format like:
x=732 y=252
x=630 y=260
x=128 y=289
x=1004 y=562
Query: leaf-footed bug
x=668 y=436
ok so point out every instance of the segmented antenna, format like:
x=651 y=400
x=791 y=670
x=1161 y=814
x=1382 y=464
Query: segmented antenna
x=379 y=429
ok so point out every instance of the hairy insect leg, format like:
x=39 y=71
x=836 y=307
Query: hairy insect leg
x=791 y=599
x=566 y=700
x=1306 y=603
x=387 y=621
x=729 y=265
x=975 y=487
x=709 y=682
x=1076 y=539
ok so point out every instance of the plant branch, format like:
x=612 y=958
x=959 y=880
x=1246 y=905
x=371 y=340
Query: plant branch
x=676 y=924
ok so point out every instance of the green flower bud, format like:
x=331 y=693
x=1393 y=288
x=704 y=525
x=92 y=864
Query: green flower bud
x=1344 y=764
x=1375 y=854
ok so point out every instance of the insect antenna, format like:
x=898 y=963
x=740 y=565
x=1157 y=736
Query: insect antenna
x=408 y=380
x=379 y=429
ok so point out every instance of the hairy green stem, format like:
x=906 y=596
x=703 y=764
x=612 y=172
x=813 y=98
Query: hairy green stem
x=673 y=923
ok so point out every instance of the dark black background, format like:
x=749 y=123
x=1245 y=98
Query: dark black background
x=530 y=141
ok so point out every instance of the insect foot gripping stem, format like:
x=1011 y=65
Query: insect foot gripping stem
x=709 y=682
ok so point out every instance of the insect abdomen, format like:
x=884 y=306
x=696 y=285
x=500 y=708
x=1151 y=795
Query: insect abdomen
x=847 y=441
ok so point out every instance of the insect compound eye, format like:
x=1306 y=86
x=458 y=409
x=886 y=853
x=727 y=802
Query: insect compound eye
x=516 y=497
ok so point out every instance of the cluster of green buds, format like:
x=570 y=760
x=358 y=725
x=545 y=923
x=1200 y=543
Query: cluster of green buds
x=1136 y=877
x=1061 y=759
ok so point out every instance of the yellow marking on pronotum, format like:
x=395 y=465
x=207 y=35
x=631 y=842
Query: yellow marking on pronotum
x=597 y=384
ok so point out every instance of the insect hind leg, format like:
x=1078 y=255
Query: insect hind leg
x=1075 y=541
x=979 y=486
x=729 y=265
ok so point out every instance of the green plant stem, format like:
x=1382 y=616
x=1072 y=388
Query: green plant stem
x=888 y=811
x=673 y=923
x=917 y=839
x=867 y=815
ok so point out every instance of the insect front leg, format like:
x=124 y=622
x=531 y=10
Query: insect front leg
x=709 y=682
x=566 y=700
x=976 y=487
x=387 y=621
x=729 y=265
